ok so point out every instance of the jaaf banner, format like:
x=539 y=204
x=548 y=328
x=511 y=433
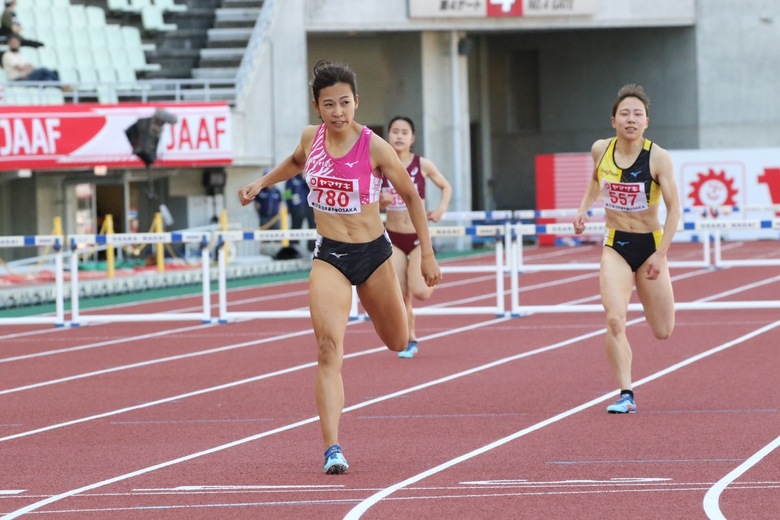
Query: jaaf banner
x=66 y=137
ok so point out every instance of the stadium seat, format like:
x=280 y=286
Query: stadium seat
x=60 y=3
x=139 y=4
x=78 y=17
x=68 y=75
x=60 y=17
x=96 y=17
x=43 y=17
x=168 y=6
x=80 y=38
x=65 y=57
x=152 y=20
x=47 y=57
x=62 y=39
x=125 y=75
x=101 y=57
x=121 y=6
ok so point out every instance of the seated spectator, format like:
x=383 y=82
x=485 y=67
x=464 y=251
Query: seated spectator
x=18 y=68
x=10 y=24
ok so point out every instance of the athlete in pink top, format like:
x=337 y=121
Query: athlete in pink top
x=406 y=253
x=352 y=247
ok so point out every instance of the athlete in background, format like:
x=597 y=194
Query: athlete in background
x=406 y=244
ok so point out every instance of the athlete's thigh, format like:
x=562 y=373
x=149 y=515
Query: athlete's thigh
x=330 y=300
x=616 y=281
x=381 y=296
x=657 y=298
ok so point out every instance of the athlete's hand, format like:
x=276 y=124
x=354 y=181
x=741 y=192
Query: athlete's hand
x=435 y=215
x=385 y=199
x=579 y=222
x=652 y=267
x=248 y=193
x=430 y=271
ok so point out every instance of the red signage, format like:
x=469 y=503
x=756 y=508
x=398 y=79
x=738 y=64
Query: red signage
x=88 y=135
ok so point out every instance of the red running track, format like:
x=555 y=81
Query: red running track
x=495 y=418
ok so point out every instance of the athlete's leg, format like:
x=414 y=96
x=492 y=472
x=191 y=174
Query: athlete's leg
x=382 y=299
x=657 y=299
x=617 y=282
x=401 y=265
x=330 y=299
x=417 y=285
x=417 y=288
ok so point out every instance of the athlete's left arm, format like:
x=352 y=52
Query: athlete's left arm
x=386 y=160
x=662 y=170
x=430 y=171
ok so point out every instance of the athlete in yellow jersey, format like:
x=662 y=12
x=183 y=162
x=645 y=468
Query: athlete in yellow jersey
x=632 y=174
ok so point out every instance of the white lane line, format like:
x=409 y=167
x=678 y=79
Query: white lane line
x=361 y=508
x=119 y=478
x=55 y=498
x=712 y=497
x=128 y=339
x=191 y=354
x=105 y=343
x=240 y=382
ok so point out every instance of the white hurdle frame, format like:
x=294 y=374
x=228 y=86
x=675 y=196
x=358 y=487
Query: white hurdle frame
x=116 y=239
x=711 y=227
x=56 y=243
x=497 y=231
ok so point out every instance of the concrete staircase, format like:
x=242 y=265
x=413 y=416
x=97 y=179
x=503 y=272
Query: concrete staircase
x=227 y=40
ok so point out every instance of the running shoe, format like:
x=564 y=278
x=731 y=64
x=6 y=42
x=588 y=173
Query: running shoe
x=625 y=404
x=411 y=350
x=335 y=463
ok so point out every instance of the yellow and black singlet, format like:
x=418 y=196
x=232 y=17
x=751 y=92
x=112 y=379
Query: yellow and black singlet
x=630 y=189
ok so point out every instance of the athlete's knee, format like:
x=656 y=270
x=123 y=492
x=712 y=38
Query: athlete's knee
x=398 y=346
x=327 y=351
x=664 y=331
x=423 y=294
x=616 y=324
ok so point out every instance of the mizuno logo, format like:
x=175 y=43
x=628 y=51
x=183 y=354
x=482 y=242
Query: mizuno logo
x=635 y=174
x=618 y=242
x=350 y=164
x=339 y=255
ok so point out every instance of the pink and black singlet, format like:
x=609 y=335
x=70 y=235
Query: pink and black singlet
x=341 y=185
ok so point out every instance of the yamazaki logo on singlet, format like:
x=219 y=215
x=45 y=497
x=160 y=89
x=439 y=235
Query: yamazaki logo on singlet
x=622 y=187
x=332 y=184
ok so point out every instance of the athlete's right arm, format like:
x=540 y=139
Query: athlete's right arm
x=592 y=190
x=287 y=169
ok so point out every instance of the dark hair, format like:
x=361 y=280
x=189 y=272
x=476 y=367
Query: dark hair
x=327 y=73
x=632 y=90
x=400 y=118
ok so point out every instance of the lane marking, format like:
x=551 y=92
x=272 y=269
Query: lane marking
x=66 y=494
x=55 y=498
x=712 y=497
x=240 y=382
x=366 y=504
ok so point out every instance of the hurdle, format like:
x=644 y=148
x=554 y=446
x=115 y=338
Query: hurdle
x=56 y=243
x=118 y=239
x=717 y=229
x=497 y=231
x=709 y=227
